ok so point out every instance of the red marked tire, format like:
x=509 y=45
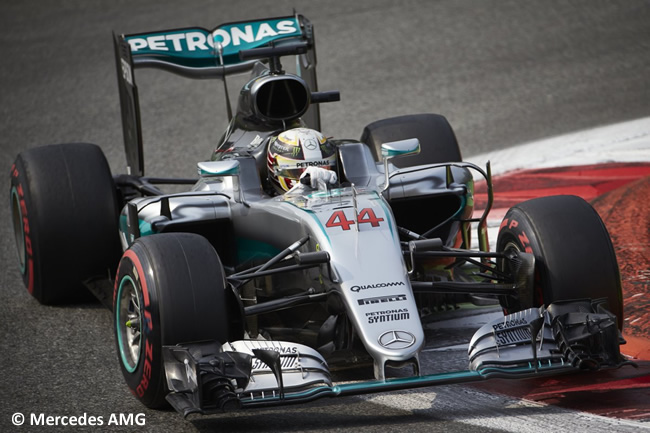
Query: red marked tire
x=574 y=256
x=64 y=213
x=169 y=289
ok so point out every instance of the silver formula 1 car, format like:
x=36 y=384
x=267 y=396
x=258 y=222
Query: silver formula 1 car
x=229 y=295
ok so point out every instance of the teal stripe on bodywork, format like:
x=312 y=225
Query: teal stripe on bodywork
x=251 y=250
x=463 y=204
x=539 y=369
x=145 y=228
x=313 y=215
x=388 y=213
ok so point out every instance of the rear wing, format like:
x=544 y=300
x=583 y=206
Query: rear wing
x=199 y=53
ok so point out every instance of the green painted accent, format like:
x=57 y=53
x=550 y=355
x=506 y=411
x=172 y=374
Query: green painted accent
x=470 y=192
x=120 y=343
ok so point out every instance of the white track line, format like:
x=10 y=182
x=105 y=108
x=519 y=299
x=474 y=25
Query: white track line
x=621 y=142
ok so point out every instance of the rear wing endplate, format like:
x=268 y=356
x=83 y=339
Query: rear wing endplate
x=199 y=53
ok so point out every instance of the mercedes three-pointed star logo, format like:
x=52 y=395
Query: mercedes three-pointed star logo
x=396 y=340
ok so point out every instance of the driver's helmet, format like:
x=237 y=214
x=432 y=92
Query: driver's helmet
x=293 y=151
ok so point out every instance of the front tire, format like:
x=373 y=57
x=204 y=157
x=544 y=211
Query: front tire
x=170 y=289
x=574 y=255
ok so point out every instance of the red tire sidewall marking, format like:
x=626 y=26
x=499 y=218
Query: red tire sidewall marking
x=148 y=368
x=28 y=272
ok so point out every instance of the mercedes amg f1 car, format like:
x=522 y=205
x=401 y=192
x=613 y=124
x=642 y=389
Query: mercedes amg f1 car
x=229 y=296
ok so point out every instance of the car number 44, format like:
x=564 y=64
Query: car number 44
x=366 y=216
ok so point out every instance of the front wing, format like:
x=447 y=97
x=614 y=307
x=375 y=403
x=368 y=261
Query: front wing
x=567 y=336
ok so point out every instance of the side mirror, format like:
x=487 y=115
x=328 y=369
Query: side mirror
x=229 y=167
x=396 y=149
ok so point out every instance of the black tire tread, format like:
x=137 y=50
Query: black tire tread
x=573 y=251
x=72 y=209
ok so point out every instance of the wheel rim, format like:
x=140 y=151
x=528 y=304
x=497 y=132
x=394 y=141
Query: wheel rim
x=128 y=321
x=537 y=296
x=510 y=245
x=19 y=229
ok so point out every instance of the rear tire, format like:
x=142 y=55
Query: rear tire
x=170 y=289
x=437 y=139
x=64 y=205
x=574 y=255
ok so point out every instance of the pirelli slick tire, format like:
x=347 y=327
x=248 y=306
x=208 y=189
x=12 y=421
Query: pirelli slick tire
x=437 y=139
x=574 y=255
x=64 y=212
x=170 y=289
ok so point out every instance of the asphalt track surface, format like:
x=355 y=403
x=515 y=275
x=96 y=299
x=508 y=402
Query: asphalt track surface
x=503 y=72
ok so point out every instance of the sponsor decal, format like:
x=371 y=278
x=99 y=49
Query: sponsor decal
x=146 y=369
x=512 y=224
x=288 y=359
x=388 y=315
x=127 y=73
x=512 y=336
x=285 y=362
x=510 y=324
x=199 y=42
x=310 y=144
x=323 y=163
x=396 y=340
x=292 y=350
x=511 y=331
x=381 y=299
x=278 y=148
x=256 y=142
x=357 y=289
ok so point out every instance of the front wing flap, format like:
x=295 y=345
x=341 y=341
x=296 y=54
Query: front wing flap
x=579 y=333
